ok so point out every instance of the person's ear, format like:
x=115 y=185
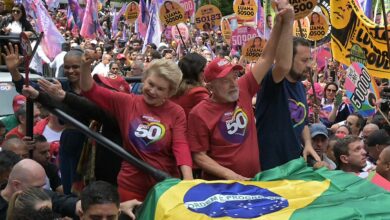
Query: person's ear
x=16 y=184
x=344 y=159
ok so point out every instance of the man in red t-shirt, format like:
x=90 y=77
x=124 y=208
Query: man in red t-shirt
x=221 y=129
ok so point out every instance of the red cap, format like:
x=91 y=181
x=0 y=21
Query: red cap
x=114 y=82
x=219 y=68
x=120 y=56
x=17 y=102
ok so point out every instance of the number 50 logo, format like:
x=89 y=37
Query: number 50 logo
x=152 y=131
x=238 y=123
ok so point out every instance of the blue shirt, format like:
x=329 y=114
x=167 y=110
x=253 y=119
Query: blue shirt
x=281 y=115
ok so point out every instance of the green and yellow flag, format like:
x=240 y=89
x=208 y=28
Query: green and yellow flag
x=291 y=191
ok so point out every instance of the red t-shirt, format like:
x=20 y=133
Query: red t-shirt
x=227 y=132
x=191 y=98
x=14 y=132
x=157 y=135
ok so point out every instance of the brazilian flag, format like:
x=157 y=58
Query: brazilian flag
x=290 y=191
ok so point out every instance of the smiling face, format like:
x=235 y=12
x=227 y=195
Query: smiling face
x=72 y=68
x=156 y=90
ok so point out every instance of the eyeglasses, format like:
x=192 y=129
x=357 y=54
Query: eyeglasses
x=331 y=90
x=16 y=11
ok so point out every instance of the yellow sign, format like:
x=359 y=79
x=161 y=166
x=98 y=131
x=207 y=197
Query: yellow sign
x=171 y=13
x=302 y=7
x=208 y=17
x=254 y=48
x=355 y=38
x=318 y=26
x=305 y=24
x=245 y=9
x=226 y=30
x=132 y=12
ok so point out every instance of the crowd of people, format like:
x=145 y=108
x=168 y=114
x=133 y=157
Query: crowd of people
x=203 y=113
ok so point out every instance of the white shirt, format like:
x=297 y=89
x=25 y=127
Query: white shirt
x=16 y=27
x=36 y=62
x=51 y=135
x=58 y=62
x=101 y=69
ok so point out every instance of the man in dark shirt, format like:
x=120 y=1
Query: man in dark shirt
x=28 y=173
x=41 y=154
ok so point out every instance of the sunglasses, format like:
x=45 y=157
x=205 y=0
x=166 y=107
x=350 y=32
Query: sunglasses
x=16 y=11
x=331 y=90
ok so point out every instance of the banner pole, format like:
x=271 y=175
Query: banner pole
x=181 y=37
x=386 y=28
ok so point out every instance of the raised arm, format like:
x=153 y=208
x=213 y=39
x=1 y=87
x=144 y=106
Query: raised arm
x=86 y=80
x=284 y=52
x=275 y=44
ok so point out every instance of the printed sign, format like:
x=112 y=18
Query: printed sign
x=168 y=33
x=241 y=35
x=189 y=7
x=183 y=31
x=171 y=13
x=208 y=17
x=318 y=26
x=245 y=9
x=361 y=89
x=305 y=24
x=302 y=7
x=226 y=30
x=26 y=47
x=132 y=12
x=254 y=48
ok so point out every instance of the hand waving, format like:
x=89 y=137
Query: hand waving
x=11 y=57
x=53 y=89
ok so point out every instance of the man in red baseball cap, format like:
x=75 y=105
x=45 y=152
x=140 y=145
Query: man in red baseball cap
x=221 y=130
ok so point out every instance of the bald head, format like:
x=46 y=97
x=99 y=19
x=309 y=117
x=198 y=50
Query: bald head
x=368 y=129
x=386 y=154
x=383 y=163
x=17 y=146
x=27 y=173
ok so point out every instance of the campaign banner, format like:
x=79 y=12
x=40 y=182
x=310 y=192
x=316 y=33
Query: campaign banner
x=253 y=48
x=355 y=38
x=168 y=33
x=318 y=26
x=208 y=18
x=302 y=8
x=241 y=35
x=183 y=31
x=305 y=25
x=245 y=9
x=226 y=30
x=171 y=13
x=189 y=7
x=132 y=12
x=361 y=89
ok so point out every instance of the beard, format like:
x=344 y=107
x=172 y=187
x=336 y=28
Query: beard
x=298 y=76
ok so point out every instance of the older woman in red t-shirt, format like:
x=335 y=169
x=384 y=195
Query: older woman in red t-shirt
x=152 y=127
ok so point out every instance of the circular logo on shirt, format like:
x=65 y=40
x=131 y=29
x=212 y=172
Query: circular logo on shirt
x=233 y=125
x=233 y=200
x=145 y=134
